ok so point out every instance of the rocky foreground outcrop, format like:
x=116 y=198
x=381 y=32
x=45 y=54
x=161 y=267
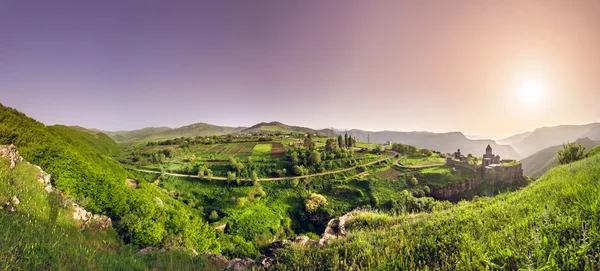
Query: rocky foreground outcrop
x=79 y=213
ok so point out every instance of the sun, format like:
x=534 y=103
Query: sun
x=531 y=91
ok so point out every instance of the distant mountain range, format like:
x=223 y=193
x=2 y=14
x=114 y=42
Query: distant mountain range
x=529 y=143
x=444 y=142
x=163 y=133
x=540 y=162
x=514 y=147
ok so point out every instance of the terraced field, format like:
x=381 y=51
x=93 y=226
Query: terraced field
x=262 y=151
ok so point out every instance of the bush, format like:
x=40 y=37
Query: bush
x=314 y=201
x=571 y=152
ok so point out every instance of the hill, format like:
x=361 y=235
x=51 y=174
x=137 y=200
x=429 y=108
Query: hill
x=545 y=137
x=97 y=182
x=444 y=142
x=163 y=133
x=551 y=224
x=513 y=139
x=98 y=141
x=276 y=127
x=540 y=162
x=40 y=232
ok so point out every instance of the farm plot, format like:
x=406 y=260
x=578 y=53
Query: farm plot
x=262 y=151
x=277 y=150
x=216 y=148
x=236 y=149
x=227 y=148
x=246 y=149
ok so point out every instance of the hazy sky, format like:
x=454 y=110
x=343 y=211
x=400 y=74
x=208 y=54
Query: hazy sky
x=375 y=65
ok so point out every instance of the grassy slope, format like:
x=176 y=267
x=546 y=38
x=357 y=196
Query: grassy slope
x=42 y=236
x=552 y=224
x=537 y=164
x=276 y=127
x=164 y=133
x=98 y=183
x=99 y=142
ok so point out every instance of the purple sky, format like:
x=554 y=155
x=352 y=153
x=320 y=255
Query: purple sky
x=375 y=65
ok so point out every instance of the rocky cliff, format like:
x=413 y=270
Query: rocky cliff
x=488 y=181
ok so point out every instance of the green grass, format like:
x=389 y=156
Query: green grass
x=553 y=224
x=261 y=151
x=444 y=175
x=419 y=160
x=41 y=235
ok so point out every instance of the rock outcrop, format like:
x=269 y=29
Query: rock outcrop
x=79 y=213
x=507 y=176
x=11 y=153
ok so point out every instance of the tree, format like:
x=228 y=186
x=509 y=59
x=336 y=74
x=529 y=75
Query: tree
x=205 y=172
x=235 y=164
x=340 y=141
x=426 y=152
x=308 y=143
x=346 y=140
x=214 y=216
x=254 y=177
x=294 y=157
x=330 y=145
x=571 y=152
x=231 y=176
x=314 y=201
x=314 y=158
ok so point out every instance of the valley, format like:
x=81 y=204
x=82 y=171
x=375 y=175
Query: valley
x=247 y=192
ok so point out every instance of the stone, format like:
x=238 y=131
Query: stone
x=221 y=227
x=216 y=258
x=10 y=207
x=15 y=200
x=145 y=251
x=238 y=264
x=267 y=262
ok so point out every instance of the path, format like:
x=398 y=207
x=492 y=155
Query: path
x=393 y=154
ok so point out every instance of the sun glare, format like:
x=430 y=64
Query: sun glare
x=531 y=91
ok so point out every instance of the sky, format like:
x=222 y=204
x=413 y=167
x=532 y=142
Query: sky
x=485 y=68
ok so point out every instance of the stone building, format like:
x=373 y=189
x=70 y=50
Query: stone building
x=489 y=158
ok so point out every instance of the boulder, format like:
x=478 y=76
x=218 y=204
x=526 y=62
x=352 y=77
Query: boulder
x=238 y=264
x=217 y=258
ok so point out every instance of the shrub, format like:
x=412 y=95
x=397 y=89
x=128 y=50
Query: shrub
x=314 y=201
x=571 y=152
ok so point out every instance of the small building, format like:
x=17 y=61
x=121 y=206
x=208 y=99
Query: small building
x=489 y=158
x=457 y=154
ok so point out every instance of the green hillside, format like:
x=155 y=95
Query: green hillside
x=41 y=234
x=97 y=182
x=164 y=133
x=540 y=162
x=277 y=127
x=98 y=141
x=553 y=224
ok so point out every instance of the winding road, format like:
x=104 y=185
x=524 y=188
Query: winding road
x=393 y=154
